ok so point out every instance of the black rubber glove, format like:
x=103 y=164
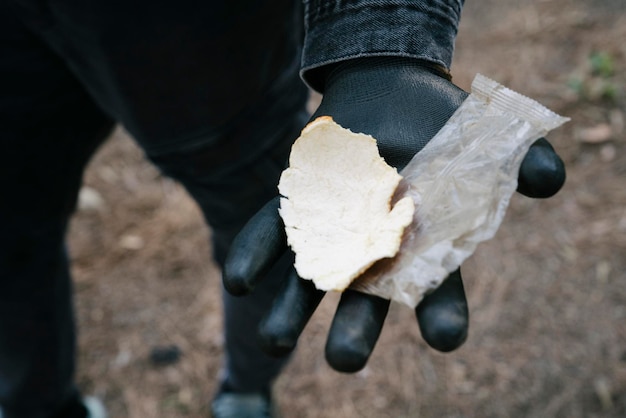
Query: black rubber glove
x=402 y=103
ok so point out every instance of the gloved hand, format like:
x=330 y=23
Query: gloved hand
x=402 y=103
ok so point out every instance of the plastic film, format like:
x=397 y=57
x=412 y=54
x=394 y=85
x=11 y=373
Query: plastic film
x=461 y=182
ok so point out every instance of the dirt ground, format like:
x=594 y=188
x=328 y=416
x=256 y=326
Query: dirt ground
x=547 y=295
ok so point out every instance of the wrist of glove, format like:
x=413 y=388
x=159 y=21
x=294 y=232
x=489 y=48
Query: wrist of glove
x=402 y=103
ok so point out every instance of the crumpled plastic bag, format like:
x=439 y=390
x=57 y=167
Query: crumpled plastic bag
x=461 y=182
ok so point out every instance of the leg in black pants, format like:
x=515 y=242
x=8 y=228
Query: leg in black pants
x=213 y=97
x=49 y=127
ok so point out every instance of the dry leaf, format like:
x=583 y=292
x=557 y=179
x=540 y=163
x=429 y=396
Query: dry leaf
x=595 y=134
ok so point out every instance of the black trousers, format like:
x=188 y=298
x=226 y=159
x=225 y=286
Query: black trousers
x=210 y=90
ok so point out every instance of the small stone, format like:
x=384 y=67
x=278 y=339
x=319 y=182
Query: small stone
x=89 y=199
x=131 y=242
x=122 y=359
x=165 y=355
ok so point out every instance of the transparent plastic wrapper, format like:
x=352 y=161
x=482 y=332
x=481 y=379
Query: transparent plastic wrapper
x=461 y=183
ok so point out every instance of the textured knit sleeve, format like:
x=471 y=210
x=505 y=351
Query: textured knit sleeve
x=337 y=30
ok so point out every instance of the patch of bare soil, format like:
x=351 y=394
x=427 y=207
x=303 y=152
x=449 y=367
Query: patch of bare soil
x=547 y=295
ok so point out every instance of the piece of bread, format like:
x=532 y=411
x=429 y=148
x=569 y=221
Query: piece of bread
x=336 y=205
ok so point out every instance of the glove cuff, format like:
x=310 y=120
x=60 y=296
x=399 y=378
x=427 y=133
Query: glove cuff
x=327 y=73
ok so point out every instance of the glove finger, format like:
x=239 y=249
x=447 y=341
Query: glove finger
x=443 y=316
x=254 y=250
x=542 y=172
x=355 y=329
x=292 y=309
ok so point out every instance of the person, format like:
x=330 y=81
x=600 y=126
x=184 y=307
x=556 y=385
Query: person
x=215 y=93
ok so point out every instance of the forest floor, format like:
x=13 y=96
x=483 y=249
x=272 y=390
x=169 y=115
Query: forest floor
x=547 y=295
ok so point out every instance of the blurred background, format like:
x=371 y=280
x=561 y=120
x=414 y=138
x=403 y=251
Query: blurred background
x=547 y=295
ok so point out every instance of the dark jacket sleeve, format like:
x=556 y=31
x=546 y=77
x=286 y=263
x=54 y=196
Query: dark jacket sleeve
x=337 y=30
